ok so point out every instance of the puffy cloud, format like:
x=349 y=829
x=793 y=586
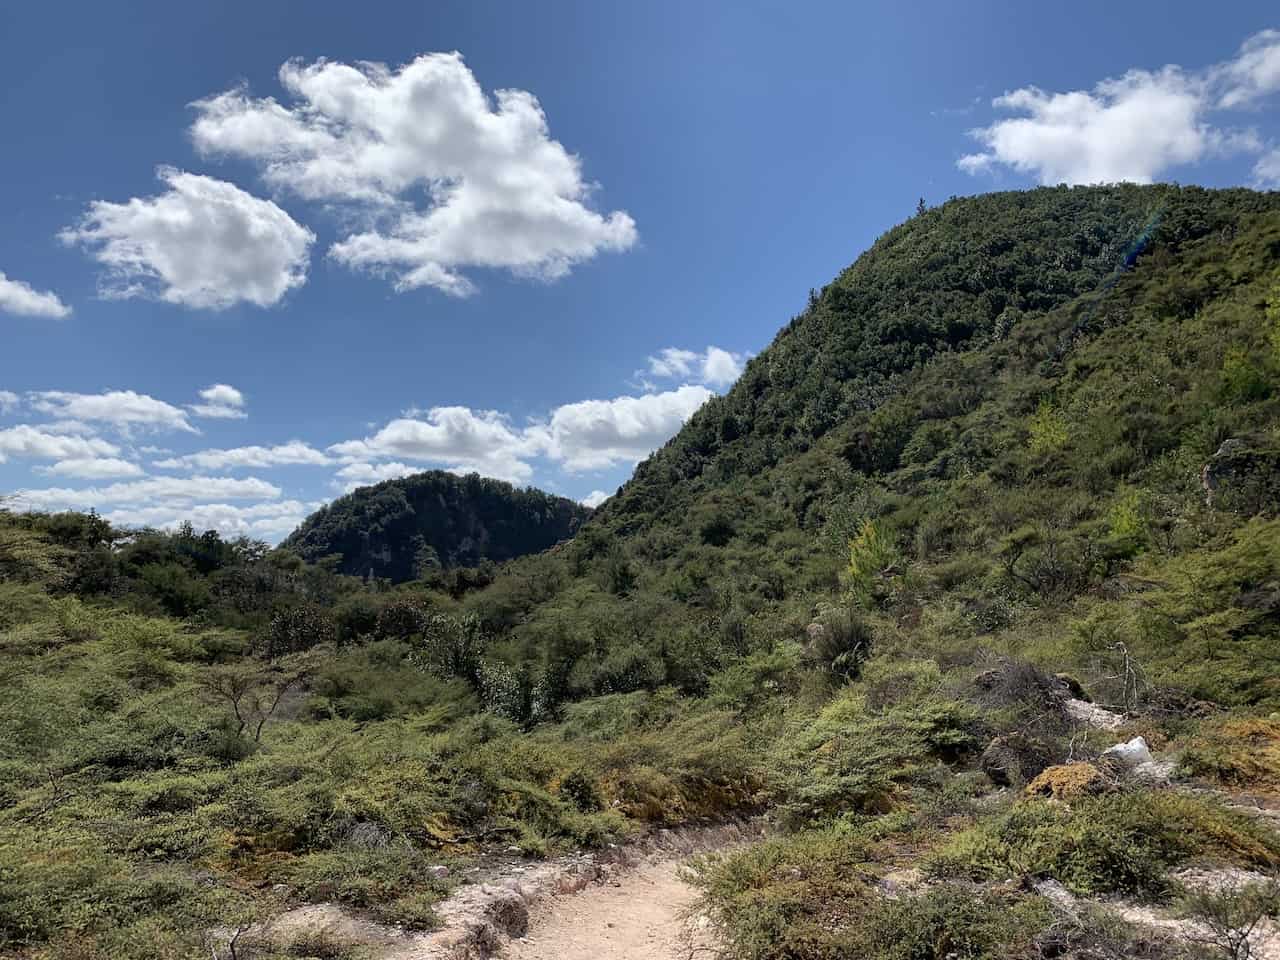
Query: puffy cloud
x=355 y=475
x=673 y=362
x=94 y=468
x=1254 y=74
x=123 y=409
x=260 y=521
x=75 y=428
x=1133 y=128
x=1267 y=169
x=594 y=499
x=501 y=193
x=292 y=453
x=460 y=439
x=37 y=443
x=157 y=491
x=203 y=243
x=8 y=401
x=24 y=300
x=595 y=434
x=720 y=367
x=588 y=435
x=714 y=367
x=220 y=402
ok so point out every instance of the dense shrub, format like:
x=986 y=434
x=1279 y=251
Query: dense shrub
x=1122 y=841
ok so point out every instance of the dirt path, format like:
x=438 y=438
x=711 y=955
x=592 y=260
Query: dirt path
x=642 y=917
x=623 y=903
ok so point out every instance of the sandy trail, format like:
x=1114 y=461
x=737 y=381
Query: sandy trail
x=643 y=917
x=623 y=903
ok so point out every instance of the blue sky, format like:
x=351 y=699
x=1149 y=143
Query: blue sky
x=253 y=255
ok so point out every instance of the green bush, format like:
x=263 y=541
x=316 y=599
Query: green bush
x=1125 y=842
x=812 y=896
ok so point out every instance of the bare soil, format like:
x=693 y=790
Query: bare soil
x=643 y=915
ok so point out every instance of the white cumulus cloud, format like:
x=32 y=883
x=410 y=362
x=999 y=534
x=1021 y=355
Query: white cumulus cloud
x=260 y=521
x=24 y=300
x=1253 y=74
x=1267 y=169
x=76 y=428
x=202 y=243
x=295 y=452
x=93 y=468
x=220 y=402
x=37 y=443
x=123 y=409
x=156 y=491
x=363 y=474
x=595 y=434
x=1132 y=128
x=594 y=499
x=9 y=401
x=457 y=438
x=587 y=435
x=453 y=178
x=714 y=366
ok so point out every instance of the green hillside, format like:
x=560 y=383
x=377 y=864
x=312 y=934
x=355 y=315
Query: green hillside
x=1026 y=447
x=406 y=528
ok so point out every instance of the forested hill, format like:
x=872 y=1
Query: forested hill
x=401 y=528
x=967 y=275
x=1007 y=400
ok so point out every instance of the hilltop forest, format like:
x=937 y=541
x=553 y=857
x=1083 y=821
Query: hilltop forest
x=1024 y=451
x=417 y=526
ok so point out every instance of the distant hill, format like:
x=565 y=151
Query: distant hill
x=397 y=528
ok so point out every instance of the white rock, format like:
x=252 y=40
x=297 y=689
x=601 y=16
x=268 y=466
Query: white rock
x=438 y=872
x=1131 y=754
x=1092 y=714
x=1157 y=771
x=1059 y=896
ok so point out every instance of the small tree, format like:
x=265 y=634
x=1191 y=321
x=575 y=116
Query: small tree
x=452 y=647
x=253 y=692
x=1230 y=916
x=1048 y=429
x=841 y=643
x=871 y=552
